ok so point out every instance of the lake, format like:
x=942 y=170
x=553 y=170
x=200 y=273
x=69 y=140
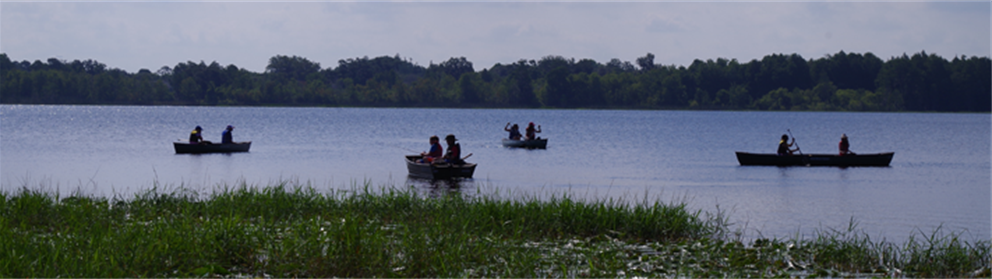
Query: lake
x=939 y=177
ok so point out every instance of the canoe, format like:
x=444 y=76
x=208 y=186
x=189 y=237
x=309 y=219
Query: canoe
x=438 y=170
x=537 y=143
x=859 y=160
x=185 y=147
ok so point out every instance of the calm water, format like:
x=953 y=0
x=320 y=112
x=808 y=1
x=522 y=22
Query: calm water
x=940 y=176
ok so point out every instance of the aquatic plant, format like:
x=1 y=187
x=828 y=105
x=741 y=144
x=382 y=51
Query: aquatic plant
x=294 y=231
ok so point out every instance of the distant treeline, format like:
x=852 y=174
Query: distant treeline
x=842 y=81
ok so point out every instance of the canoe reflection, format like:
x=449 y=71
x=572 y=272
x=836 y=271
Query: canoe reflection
x=440 y=186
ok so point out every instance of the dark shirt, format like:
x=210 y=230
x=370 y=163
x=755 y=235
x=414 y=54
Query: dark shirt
x=515 y=135
x=226 y=137
x=783 y=148
x=454 y=154
x=195 y=137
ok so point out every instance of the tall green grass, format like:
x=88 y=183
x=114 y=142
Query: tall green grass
x=294 y=231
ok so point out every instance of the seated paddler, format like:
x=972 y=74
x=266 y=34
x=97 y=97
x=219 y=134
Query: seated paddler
x=196 y=136
x=454 y=154
x=784 y=146
x=226 y=137
x=435 y=153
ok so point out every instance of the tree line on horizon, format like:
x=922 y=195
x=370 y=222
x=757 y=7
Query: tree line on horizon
x=836 y=82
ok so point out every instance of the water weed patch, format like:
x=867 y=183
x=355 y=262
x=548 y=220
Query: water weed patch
x=294 y=231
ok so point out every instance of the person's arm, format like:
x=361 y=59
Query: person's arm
x=538 y=129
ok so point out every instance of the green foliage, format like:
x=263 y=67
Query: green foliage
x=842 y=81
x=294 y=231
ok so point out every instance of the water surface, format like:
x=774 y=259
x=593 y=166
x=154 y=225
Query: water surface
x=939 y=177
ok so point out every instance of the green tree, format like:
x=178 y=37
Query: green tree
x=646 y=62
x=558 y=88
x=291 y=67
x=454 y=67
x=470 y=88
x=847 y=70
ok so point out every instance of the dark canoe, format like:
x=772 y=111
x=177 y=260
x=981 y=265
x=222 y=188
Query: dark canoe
x=185 y=147
x=859 y=160
x=537 y=143
x=438 y=170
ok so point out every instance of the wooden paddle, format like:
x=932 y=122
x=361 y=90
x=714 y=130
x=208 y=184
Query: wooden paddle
x=466 y=156
x=794 y=140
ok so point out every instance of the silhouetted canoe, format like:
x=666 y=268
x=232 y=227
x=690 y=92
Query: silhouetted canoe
x=537 y=143
x=185 y=147
x=438 y=170
x=859 y=160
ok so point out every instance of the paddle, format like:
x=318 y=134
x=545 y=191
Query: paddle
x=466 y=156
x=794 y=141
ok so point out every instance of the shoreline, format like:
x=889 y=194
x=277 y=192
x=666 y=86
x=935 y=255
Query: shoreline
x=283 y=230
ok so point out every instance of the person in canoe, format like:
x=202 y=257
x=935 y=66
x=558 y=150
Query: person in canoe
x=454 y=154
x=531 y=132
x=844 y=146
x=226 y=137
x=514 y=131
x=196 y=136
x=784 y=147
x=435 y=153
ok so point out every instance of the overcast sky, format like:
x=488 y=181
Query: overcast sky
x=149 y=35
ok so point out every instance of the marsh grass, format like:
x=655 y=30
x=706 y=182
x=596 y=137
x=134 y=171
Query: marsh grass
x=294 y=231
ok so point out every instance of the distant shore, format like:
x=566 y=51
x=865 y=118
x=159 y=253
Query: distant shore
x=777 y=82
x=293 y=231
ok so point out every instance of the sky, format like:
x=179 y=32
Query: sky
x=150 y=35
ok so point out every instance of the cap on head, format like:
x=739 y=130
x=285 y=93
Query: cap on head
x=450 y=137
x=785 y=137
x=198 y=128
x=229 y=127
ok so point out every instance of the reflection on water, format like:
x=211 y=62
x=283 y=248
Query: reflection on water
x=440 y=187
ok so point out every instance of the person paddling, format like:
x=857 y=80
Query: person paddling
x=514 y=131
x=196 y=136
x=454 y=154
x=784 y=146
x=531 y=132
x=435 y=153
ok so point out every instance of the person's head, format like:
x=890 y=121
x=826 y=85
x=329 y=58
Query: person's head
x=531 y=125
x=435 y=139
x=198 y=128
x=450 y=138
x=785 y=137
x=843 y=136
x=229 y=127
x=515 y=127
